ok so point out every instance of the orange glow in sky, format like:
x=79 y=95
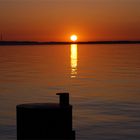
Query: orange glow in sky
x=53 y=20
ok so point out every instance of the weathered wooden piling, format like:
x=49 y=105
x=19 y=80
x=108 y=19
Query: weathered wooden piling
x=45 y=121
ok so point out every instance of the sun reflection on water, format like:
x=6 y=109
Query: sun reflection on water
x=73 y=60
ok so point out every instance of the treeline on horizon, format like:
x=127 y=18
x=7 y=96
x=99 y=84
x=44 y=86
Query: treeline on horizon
x=61 y=42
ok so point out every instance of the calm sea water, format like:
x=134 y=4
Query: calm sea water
x=103 y=82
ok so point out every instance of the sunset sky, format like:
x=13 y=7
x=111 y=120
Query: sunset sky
x=56 y=20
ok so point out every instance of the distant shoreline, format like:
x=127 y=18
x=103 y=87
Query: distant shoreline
x=11 y=43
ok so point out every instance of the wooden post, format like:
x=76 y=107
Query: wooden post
x=45 y=121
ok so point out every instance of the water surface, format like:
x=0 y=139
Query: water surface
x=103 y=81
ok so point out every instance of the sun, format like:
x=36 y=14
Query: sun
x=73 y=38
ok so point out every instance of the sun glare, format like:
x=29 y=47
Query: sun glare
x=73 y=38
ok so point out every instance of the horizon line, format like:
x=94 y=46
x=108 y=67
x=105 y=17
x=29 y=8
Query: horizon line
x=2 y=42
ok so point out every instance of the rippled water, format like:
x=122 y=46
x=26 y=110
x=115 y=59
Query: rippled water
x=103 y=81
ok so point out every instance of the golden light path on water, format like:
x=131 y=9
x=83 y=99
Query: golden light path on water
x=74 y=59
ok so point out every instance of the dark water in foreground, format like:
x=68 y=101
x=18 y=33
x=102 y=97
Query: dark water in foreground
x=103 y=81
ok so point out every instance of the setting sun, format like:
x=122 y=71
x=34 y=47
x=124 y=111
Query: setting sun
x=73 y=37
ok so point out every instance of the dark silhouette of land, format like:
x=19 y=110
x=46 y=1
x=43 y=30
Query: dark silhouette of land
x=63 y=43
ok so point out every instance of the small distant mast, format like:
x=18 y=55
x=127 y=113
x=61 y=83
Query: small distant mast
x=1 y=37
